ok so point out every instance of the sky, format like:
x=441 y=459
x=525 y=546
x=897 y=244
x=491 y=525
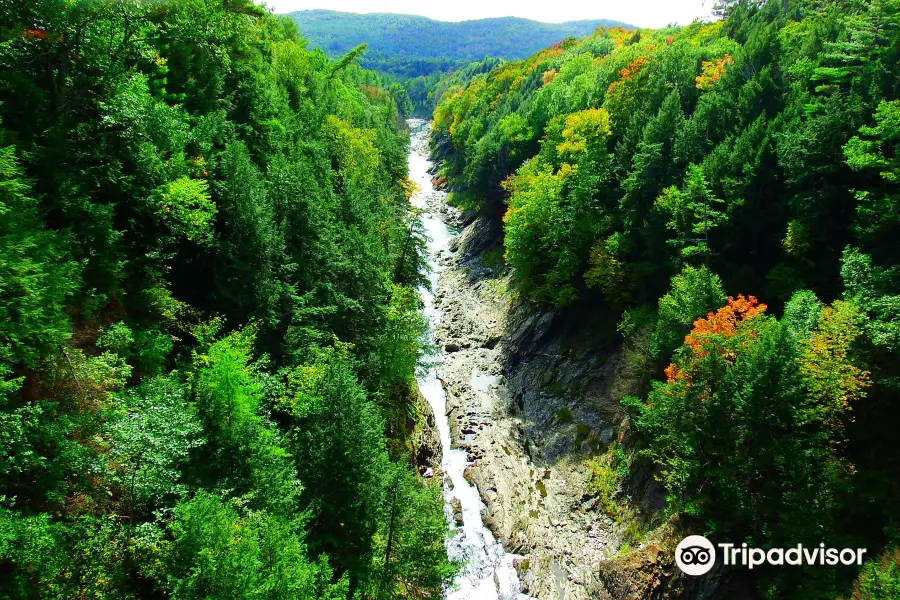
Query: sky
x=641 y=13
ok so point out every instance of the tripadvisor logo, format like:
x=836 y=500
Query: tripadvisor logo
x=696 y=555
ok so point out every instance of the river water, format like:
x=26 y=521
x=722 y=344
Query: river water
x=487 y=572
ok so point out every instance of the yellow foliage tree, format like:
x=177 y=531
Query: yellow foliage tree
x=833 y=382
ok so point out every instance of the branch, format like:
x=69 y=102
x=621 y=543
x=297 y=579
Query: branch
x=71 y=369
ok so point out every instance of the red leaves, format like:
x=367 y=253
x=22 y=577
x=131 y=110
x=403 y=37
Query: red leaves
x=724 y=321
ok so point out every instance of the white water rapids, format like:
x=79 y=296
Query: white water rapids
x=488 y=572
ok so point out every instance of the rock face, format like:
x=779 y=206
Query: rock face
x=425 y=442
x=524 y=407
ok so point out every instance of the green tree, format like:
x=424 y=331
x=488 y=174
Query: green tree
x=38 y=278
x=150 y=441
x=879 y=579
x=548 y=226
x=693 y=293
x=877 y=153
x=224 y=550
x=337 y=439
x=244 y=452
x=693 y=212
x=410 y=556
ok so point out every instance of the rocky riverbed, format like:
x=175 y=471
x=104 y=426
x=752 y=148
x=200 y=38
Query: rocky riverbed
x=497 y=366
x=487 y=570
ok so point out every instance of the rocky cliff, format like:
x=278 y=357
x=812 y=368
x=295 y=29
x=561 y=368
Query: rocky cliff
x=531 y=398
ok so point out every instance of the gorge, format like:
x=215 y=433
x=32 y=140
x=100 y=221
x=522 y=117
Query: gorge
x=487 y=570
x=515 y=470
x=264 y=336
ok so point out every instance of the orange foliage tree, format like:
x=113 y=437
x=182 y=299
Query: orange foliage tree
x=630 y=70
x=753 y=406
x=727 y=321
x=712 y=71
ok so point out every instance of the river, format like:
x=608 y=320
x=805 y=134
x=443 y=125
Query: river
x=487 y=572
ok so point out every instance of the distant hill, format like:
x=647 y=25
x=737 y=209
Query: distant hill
x=414 y=37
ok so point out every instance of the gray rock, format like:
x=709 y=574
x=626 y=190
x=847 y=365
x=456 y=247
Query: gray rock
x=456 y=506
x=528 y=465
x=606 y=435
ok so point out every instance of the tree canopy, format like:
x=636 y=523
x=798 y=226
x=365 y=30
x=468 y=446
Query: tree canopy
x=728 y=190
x=205 y=266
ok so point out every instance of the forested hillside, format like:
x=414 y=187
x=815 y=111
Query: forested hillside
x=209 y=328
x=727 y=194
x=418 y=50
x=415 y=37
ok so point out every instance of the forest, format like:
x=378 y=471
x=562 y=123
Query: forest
x=416 y=52
x=209 y=329
x=415 y=37
x=210 y=325
x=722 y=199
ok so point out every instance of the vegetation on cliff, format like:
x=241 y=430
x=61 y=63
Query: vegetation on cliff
x=728 y=191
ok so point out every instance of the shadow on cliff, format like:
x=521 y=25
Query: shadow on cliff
x=564 y=370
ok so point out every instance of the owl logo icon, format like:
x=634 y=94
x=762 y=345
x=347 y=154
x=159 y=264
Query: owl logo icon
x=695 y=555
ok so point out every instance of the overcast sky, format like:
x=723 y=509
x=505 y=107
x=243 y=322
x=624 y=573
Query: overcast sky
x=642 y=13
